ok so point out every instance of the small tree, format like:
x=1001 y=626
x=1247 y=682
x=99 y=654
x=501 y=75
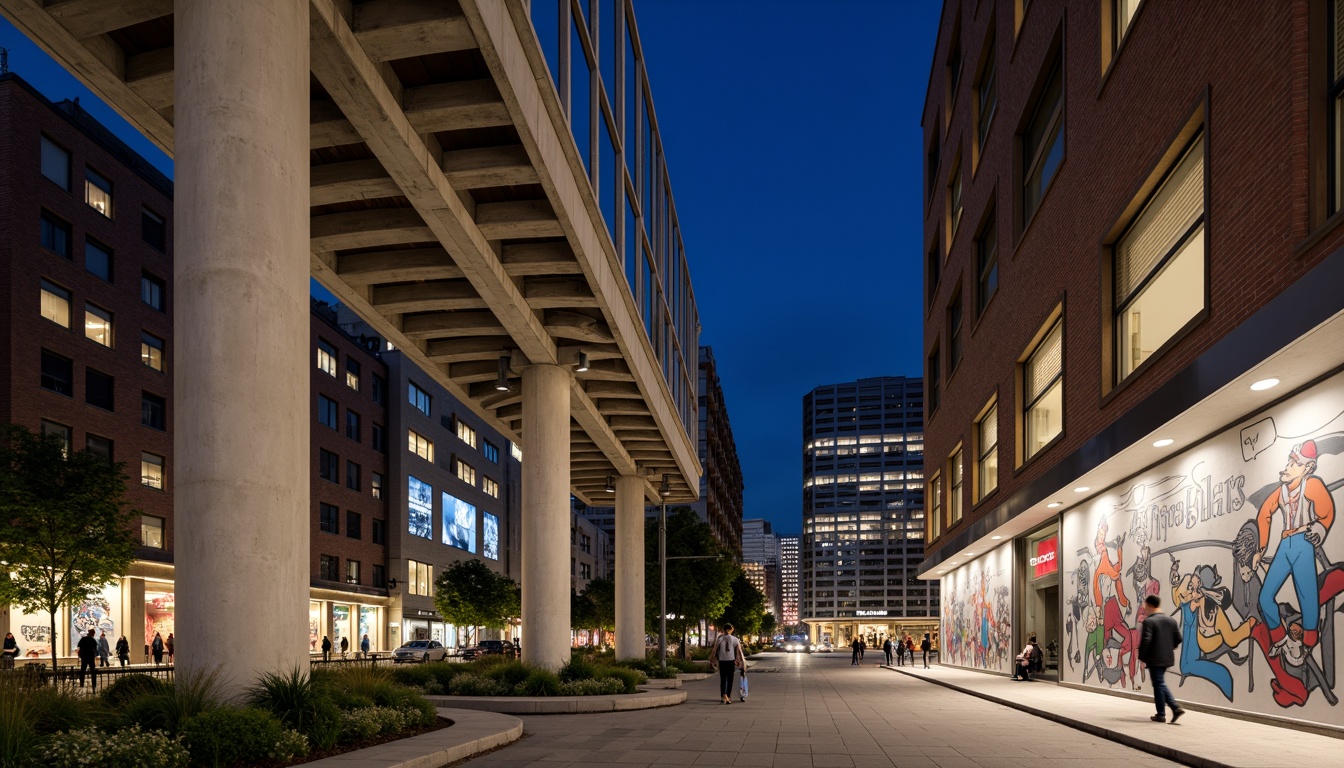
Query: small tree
x=747 y=608
x=768 y=625
x=595 y=608
x=696 y=589
x=469 y=594
x=65 y=528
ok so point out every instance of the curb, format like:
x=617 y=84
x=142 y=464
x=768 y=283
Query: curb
x=563 y=705
x=687 y=676
x=470 y=734
x=1152 y=748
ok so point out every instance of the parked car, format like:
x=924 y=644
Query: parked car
x=420 y=650
x=490 y=648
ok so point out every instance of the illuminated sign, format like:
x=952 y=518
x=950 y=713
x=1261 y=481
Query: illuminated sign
x=870 y=613
x=1045 y=562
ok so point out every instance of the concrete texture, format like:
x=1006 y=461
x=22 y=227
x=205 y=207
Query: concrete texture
x=630 y=567
x=555 y=705
x=241 y=362
x=546 y=513
x=470 y=734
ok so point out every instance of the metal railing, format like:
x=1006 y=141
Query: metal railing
x=39 y=673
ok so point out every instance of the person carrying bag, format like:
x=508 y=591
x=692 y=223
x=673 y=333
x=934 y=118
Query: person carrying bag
x=727 y=658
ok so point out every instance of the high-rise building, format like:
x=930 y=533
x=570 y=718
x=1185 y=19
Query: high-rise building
x=788 y=580
x=760 y=545
x=863 y=511
x=1134 y=346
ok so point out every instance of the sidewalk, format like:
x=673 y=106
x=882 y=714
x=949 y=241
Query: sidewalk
x=1201 y=739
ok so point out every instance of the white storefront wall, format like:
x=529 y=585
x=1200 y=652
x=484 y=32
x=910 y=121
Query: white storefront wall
x=977 y=613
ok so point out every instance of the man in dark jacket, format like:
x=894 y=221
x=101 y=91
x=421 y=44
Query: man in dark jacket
x=1157 y=650
x=88 y=654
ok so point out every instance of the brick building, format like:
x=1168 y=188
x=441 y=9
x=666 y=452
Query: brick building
x=1133 y=324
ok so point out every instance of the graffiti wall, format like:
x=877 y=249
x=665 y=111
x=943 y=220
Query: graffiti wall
x=977 y=613
x=1235 y=537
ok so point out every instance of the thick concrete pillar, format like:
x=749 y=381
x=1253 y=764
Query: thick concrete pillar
x=630 y=568
x=241 y=402
x=546 y=513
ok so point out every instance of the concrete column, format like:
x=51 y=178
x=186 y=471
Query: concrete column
x=241 y=403
x=546 y=513
x=630 y=568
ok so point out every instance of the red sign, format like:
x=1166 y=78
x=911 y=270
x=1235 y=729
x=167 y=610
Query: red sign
x=1045 y=561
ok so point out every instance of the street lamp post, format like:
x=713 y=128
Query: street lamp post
x=663 y=490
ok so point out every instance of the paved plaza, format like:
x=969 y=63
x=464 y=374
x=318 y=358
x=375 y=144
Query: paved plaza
x=815 y=712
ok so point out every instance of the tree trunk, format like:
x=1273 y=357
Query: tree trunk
x=52 y=614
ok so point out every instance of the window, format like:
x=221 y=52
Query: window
x=954 y=334
x=151 y=531
x=466 y=473
x=516 y=451
x=59 y=431
x=353 y=521
x=352 y=374
x=1159 y=265
x=151 y=351
x=935 y=498
x=954 y=467
x=99 y=446
x=58 y=374
x=328 y=412
x=352 y=425
x=986 y=98
x=986 y=263
x=419 y=445
x=419 y=578
x=328 y=518
x=376 y=484
x=151 y=291
x=954 y=63
x=151 y=471
x=56 y=304
x=419 y=398
x=933 y=387
x=379 y=532
x=931 y=160
x=352 y=475
x=153 y=411
x=98 y=259
x=933 y=270
x=328 y=568
x=987 y=452
x=379 y=576
x=56 y=163
x=98 y=192
x=326 y=358
x=379 y=438
x=1123 y=13
x=98 y=325
x=380 y=390
x=954 y=204
x=55 y=235
x=351 y=571
x=328 y=466
x=466 y=434
x=1043 y=392
x=585 y=571
x=1043 y=143
x=491 y=451
x=98 y=388
x=153 y=230
x=490 y=487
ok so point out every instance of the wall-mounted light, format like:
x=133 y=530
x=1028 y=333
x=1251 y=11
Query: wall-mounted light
x=611 y=485
x=502 y=381
x=665 y=489
x=583 y=361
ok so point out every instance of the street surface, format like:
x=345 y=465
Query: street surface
x=815 y=711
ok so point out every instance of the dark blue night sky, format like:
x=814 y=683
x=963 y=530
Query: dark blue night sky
x=793 y=141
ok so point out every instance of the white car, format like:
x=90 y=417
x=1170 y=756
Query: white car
x=420 y=650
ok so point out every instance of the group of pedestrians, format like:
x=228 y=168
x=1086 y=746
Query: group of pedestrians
x=901 y=648
x=328 y=647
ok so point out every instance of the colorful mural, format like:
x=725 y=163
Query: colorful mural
x=977 y=613
x=1234 y=537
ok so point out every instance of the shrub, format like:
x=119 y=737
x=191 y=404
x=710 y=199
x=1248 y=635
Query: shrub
x=189 y=695
x=291 y=696
x=473 y=685
x=127 y=688
x=540 y=682
x=605 y=686
x=508 y=674
x=16 y=730
x=225 y=736
x=51 y=710
x=369 y=722
x=578 y=668
x=630 y=679
x=290 y=745
x=418 y=675
x=128 y=748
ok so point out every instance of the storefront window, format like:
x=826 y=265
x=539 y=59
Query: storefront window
x=368 y=625
x=160 y=608
x=314 y=626
x=340 y=626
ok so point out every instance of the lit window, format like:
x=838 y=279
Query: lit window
x=987 y=458
x=326 y=358
x=516 y=451
x=351 y=571
x=419 y=445
x=56 y=163
x=376 y=485
x=98 y=260
x=151 y=351
x=466 y=473
x=352 y=374
x=98 y=192
x=1124 y=11
x=1159 y=265
x=151 y=531
x=490 y=487
x=418 y=398
x=954 y=490
x=151 y=291
x=98 y=325
x=56 y=304
x=419 y=578
x=151 y=471
x=1043 y=392
x=1043 y=143
x=466 y=434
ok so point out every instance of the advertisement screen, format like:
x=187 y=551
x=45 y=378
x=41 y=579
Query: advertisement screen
x=419 y=508
x=459 y=523
x=490 y=535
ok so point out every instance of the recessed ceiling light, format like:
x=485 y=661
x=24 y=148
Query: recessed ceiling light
x=1163 y=443
x=1264 y=384
x=970 y=554
x=1081 y=489
x=996 y=538
x=1054 y=504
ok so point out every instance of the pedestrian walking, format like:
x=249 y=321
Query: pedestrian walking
x=925 y=645
x=364 y=646
x=910 y=649
x=886 y=650
x=1157 y=650
x=326 y=648
x=862 y=648
x=855 y=648
x=104 y=650
x=123 y=651
x=10 y=652
x=168 y=644
x=345 y=647
x=727 y=658
x=156 y=649
x=87 y=649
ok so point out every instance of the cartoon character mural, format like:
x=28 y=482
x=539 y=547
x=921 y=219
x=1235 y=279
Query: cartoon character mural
x=977 y=612
x=1251 y=571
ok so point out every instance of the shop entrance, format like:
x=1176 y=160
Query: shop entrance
x=1040 y=598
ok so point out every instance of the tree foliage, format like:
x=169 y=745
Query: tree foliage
x=65 y=525
x=746 y=609
x=595 y=608
x=696 y=589
x=768 y=624
x=469 y=594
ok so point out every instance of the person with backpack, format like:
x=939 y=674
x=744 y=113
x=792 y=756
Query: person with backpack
x=727 y=658
x=123 y=651
x=156 y=649
x=925 y=645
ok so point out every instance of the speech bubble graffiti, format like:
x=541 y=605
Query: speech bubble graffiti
x=1257 y=438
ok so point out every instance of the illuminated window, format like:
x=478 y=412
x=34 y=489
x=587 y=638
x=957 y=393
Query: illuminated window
x=98 y=325
x=1043 y=392
x=151 y=351
x=466 y=434
x=151 y=471
x=98 y=192
x=987 y=453
x=351 y=571
x=466 y=473
x=1122 y=14
x=151 y=531
x=419 y=445
x=376 y=485
x=326 y=358
x=352 y=374
x=490 y=486
x=954 y=202
x=419 y=578
x=56 y=304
